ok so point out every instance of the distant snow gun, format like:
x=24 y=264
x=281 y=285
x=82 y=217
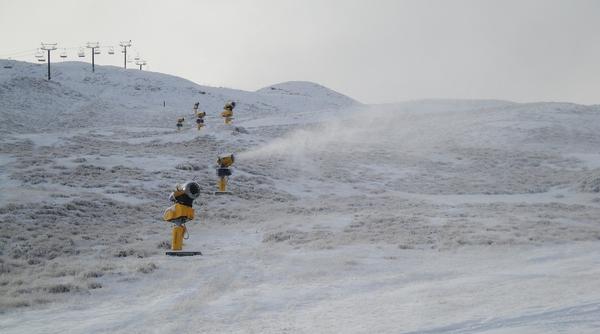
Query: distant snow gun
x=200 y=119
x=180 y=123
x=227 y=113
x=199 y=115
x=180 y=213
x=224 y=163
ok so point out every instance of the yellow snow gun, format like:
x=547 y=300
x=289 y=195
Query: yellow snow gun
x=179 y=213
x=227 y=113
x=224 y=163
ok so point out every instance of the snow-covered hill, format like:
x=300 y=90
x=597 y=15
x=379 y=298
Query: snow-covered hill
x=432 y=216
x=309 y=91
x=77 y=97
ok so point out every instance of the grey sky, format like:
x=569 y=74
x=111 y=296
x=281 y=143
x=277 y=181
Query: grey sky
x=374 y=51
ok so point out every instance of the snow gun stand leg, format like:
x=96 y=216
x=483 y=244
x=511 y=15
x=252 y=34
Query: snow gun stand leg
x=178 y=232
x=223 y=173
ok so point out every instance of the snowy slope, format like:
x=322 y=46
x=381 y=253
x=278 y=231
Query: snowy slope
x=319 y=96
x=113 y=96
x=432 y=216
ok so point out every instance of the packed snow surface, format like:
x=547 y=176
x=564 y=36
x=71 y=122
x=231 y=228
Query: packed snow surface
x=431 y=216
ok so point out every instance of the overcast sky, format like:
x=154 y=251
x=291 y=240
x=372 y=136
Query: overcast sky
x=375 y=51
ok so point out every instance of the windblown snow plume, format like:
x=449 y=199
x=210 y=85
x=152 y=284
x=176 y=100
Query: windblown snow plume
x=377 y=128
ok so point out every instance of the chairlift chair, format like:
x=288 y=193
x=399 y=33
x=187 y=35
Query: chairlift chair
x=42 y=59
x=97 y=51
x=81 y=53
x=63 y=54
x=8 y=63
x=39 y=53
x=111 y=51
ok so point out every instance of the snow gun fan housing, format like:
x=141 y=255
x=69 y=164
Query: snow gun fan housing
x=225 y=160
x=184 y=197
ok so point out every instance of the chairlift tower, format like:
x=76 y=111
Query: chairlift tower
x=141 y=63
x=125 y=45
x=48 y=47
x=93 y=46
